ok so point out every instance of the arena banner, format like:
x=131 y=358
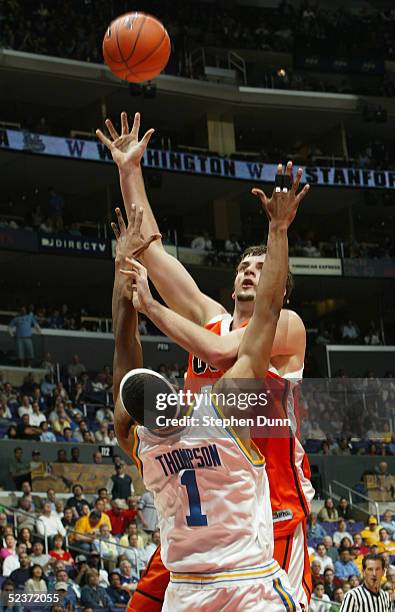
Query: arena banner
x=372 y=268
x=18 y=240
x=72 y=245
x=198 y=164
x=315 y=266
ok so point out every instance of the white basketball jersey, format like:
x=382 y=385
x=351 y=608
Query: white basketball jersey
x=212 y=498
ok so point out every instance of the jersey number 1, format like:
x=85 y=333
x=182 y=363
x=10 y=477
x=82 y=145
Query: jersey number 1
x=195 y=518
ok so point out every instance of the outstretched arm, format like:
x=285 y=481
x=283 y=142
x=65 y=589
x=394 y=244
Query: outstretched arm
x=128 y=353
x=256 y=344
x=173 y=282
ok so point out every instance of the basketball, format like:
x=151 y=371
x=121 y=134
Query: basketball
x=136 y=47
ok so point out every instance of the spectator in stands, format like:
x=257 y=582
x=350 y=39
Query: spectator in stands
x=328 y=513
x=48 y=524
x=119 y=518
x=119 y=596
x=338 y=597
x=232 y=245
x=36 y=582
x=25 y=407
x=344 y=510
x=22 y=573
x=329 y=582
x=101 y=435
x=371 y=533
x=147 y=512
x=373 y=335
x=324 y=560
x=103 y=494
x=61 y=456
x=25 y=537
x=316 y=575
x=319 y=599
x=9 y=546
x=38 y=556
x=202 y=242
x=343 y=448
x=128 y=578
x=122 y=485
x=7 y=588
x=58 y=552
x=26 y=505
x=386 y=544
x=12 y=433
x=385 y=480
x=46 y=435
x=26 y=432
x=47 y=387
x=93 y=595
x=51 y=499
x=75 y=455
x=87 y=528
x=77 y=501
x=344 y=566
x=106 y=545
x=388 y=523
x=76 y=368
x=153 y=545
x=19 y=469
x=350 y=332
x=104 y=414
x=68 y=520
x=341 y=533
x=36 y=417
x=12 y=562
x=21 y=326
x=133 y=530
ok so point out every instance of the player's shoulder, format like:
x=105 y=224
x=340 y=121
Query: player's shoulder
x=291 y=317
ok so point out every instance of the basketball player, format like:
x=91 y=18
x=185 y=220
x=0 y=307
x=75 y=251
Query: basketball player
x=211 y=355
x=219 y=558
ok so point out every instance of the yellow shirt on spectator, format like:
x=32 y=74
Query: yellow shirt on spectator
x=388 y=547
x=371 y=537
x=83 y=524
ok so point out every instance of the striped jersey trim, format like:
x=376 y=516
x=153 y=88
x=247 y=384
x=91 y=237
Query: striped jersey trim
x=135 y=451
x=285 y=597
x=251 y=573
x=231 y=432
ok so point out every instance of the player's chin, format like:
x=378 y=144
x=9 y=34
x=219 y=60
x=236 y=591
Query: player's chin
x=246 y=295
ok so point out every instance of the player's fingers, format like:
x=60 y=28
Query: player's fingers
x=146 y=244
x=132 y=218
x=279 y=169
x=136 y=126
x=115 y=229
x=137 y=266
x=147 y=137
x=129 y=273
x=124 y=124
x=121 y=222
x=111 y=129
x=288 y=168
x=260 y=194
x=295 y=184
x=139 y=220
x=302 y=194
x=106 y=141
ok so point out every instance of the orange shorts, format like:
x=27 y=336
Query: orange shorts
x=292 y=555
x=150 y=591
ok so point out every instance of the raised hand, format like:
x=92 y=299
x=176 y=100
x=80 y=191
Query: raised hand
x=130 y=240
x=282 y=207
x=141 y=293
x=126 y=148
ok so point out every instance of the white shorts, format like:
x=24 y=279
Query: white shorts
x=292 y=555
x=230 y=595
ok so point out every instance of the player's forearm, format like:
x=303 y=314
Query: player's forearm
x=128 y=352
x=133 y=192
x=259 y=336
x=217 y=351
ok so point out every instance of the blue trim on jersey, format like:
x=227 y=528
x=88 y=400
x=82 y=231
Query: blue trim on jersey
x=136 y=452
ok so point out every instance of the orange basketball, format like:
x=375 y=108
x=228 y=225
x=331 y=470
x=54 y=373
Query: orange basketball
x=136 y=47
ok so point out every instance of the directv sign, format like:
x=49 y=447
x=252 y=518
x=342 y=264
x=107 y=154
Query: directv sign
x=65 y=245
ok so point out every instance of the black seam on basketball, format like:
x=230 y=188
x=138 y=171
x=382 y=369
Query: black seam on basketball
x=152 y=52
x=106 y=53
x=119 y=48
x=137 y=39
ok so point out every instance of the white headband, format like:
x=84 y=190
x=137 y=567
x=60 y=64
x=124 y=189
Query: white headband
x=151 y=373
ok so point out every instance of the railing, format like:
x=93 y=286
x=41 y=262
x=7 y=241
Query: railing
x=14 y=512
x=349 y=492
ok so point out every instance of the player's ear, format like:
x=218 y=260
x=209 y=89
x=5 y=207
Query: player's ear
x=233 y=296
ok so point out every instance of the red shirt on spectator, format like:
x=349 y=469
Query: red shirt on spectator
x=120 y=519
x=62 y=555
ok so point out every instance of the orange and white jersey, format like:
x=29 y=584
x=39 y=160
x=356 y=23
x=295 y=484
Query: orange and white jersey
x=287 y=464
x=212 y=498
